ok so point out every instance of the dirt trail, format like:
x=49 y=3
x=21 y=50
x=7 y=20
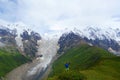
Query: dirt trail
x=19 y=73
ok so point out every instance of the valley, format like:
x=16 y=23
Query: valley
x=47 y=54
x=10 y=58
x=35 y=69
x=59 y=39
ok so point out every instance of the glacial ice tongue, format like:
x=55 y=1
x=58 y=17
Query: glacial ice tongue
x=47 y=48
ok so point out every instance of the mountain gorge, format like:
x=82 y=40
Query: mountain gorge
x=40 y=51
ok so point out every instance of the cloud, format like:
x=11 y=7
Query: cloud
x=8 y=10
x=49 y=15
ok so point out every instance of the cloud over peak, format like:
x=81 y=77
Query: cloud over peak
x=58 y=14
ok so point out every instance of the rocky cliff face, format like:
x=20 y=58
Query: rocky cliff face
x=71 y=39
x=30 y=42
x=68 y=40
x=7 y=36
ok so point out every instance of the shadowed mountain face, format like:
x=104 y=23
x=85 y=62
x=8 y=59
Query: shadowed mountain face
x=71 y=39
x=30 y=42
x=7 y=36
x=27 y=41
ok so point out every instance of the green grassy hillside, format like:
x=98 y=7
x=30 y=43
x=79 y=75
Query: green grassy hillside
x=10 y=58
x=86 y=63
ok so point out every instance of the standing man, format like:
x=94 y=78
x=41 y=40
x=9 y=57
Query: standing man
x=67 y=66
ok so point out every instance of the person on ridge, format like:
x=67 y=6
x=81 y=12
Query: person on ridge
x=67 y=66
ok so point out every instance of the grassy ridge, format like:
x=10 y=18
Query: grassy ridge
x=10 y=58
x=106 y=69
x=91 y=62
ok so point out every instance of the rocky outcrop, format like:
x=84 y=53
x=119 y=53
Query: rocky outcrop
x=30 y=43
x=7 y=36
x=68 y=40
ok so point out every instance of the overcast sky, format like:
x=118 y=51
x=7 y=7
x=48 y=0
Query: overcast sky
x=54 y=15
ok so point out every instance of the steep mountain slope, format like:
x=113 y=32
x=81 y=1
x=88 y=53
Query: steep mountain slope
x=7 y=36
x=10 y=58
x=30 y=44
x=91 y=37
x=26 y=41
x=91 y=62
x=35 y=70
x=15 y=48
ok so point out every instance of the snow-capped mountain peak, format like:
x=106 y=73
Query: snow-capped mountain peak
x=100 y=33
x=107 y=38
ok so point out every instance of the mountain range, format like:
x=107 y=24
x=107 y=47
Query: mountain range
x=26 y=39
x=44 y=47
x=107 y=39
